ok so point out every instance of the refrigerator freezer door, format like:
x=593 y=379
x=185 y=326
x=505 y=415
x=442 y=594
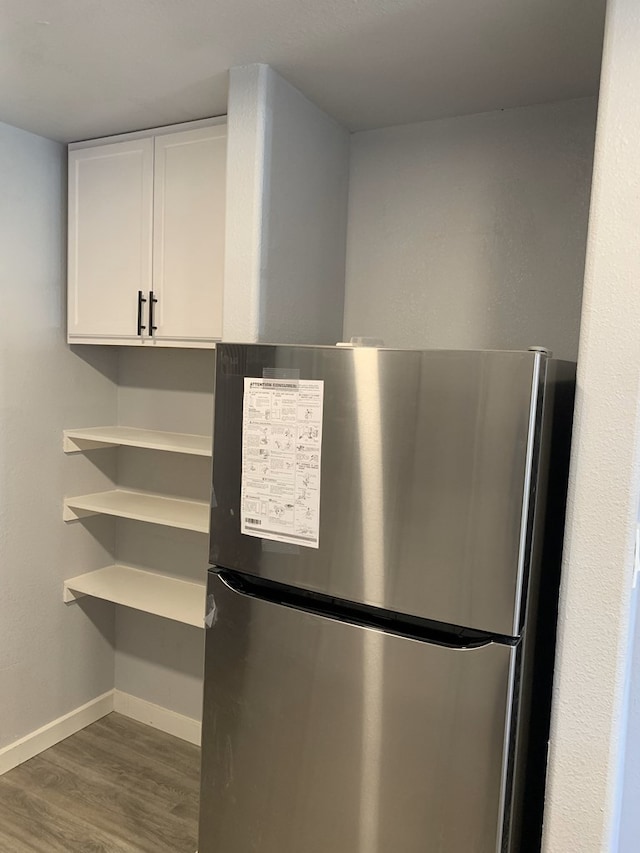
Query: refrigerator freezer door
x=320 y=736
x=425 y=480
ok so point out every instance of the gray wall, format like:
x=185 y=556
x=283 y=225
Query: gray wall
x=172 y=389
x=53 y=657
x=471 y=232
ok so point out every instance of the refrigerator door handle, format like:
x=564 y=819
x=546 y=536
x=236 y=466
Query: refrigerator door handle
x=362 y=615
x=211 y=612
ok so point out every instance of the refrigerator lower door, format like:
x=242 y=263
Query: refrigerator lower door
x=320 y=736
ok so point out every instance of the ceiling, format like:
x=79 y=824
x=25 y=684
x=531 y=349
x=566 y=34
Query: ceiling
x=76 y=69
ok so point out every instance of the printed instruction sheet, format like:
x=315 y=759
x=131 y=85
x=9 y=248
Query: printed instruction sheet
x=281 y=453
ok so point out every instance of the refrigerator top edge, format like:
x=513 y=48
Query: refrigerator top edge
x=428 y=480
x=533 y=350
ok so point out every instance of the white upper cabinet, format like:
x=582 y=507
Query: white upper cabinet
x=188 y=226
x=146 y=238
x=110 y=234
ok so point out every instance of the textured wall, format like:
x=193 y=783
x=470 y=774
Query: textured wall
x=471 y=232
x=53 y=657
x=588 y=725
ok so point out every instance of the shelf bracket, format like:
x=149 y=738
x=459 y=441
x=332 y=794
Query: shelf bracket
x=70 y=595
x=70 y=513
x=81 y=445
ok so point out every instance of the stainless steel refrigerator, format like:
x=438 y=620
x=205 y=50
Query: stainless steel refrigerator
x=385 y=540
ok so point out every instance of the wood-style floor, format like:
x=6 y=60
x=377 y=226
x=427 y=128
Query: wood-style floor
x=115 y=787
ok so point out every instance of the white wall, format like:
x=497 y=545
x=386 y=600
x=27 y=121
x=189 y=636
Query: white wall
x=470 y=232
x=305 y=220
x=287 y=183
x=53 y=657
x=246 y=131
x=157 y=660
x=588 y=740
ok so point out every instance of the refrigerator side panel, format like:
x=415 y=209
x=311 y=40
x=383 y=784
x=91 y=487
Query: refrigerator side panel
x=424 y=481
x=532 y=724
x=320 y=736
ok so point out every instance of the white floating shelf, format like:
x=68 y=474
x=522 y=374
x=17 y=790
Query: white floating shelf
x=141 y=506
x=79 y=440
x=182 y=601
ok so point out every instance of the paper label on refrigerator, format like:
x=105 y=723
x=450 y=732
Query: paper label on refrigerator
x=281 y=454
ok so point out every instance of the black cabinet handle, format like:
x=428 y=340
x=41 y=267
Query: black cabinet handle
x=152 y=302
x=141 y=300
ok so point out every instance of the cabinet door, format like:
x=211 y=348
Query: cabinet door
x=188 y=256
x=110 y=221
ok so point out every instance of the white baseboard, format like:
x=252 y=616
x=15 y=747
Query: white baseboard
x=55 y=731
x=114 y=700
x=158 y=717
